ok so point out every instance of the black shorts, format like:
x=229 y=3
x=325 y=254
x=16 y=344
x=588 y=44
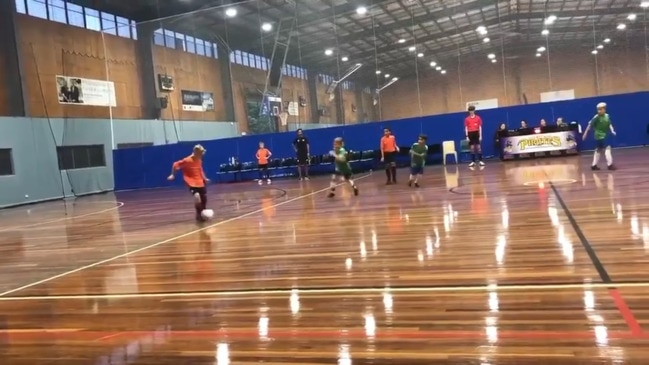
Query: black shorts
x=474 y=138
x=302 y=158
x=201 y=191
x=263 y=166
x=389 y=157
x=345 y=175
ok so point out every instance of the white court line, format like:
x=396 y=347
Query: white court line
x=168 y=240
x=119 y=205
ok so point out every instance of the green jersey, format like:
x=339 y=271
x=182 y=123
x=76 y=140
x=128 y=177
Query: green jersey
x=601 y=125
x=342 y=167
x=415 y=151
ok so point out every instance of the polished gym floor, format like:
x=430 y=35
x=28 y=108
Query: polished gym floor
x=527 y=262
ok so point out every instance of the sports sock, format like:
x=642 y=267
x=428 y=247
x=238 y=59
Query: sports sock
x=332 y=183
x=203 y=201
x=393 y=170
x=596 y=158
x=473 y=157
x=387 y=173
x=480 y=156
x=608 y=156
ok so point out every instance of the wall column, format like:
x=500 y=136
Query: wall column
x=312 y=82
x=9 y=52
x=360 y=105
x=226 y=82
x=340 y=104
x=146 y=68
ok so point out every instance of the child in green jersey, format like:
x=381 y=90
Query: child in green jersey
x=418 y=153
x=343 y=169
x=602 y=126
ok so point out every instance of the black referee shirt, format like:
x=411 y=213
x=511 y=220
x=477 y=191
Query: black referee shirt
x=301 y=144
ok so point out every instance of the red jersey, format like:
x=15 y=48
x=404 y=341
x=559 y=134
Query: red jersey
x=192 y=171
x=473 y=124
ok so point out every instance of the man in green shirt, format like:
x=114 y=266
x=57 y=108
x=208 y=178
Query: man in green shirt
x=343 y=169
x=418 y=153
x=602 y=126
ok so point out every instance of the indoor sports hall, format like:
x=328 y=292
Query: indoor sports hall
x=350 y=182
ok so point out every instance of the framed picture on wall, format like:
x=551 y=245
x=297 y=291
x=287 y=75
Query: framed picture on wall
x=165 y=82
x=197 y=101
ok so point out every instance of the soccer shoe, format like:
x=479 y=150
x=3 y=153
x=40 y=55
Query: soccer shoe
x=355 y=191
x=259 y=182
x=267 y=181
x=482 y=164
x=594 y=168
x=472 y=164
x=612 y=167
x=416 y=185
x=307 y=178
x=410 y=183
x=331 y=195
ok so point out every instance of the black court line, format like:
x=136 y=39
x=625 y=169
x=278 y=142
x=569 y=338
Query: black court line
x=601 y=270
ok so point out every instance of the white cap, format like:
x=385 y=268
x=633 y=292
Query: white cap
x=601 y=105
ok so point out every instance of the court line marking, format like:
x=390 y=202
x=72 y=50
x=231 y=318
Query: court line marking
x=117 y=206
x=334 y=291
x=156 y=244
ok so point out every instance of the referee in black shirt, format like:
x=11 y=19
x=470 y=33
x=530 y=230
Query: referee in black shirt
x=301 y=147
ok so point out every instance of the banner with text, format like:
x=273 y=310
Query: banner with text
x=531 y=143
x=483 y=104
x=80 y=91
x=197 y=101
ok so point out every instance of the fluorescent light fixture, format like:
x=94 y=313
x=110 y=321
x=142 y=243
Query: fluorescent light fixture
x=231 y=12
x=540 y=49
x=545 y=32
x=621 y=26
x=361 y=10
x=412 y=48
x=481 y=29
x=438 y=68
x=493 y=60
x=632 y=17
x=378 y=72
x=329 y=52
x=443 y=72
x=607 y=40
x=401 y=40
x=491 y=56
x=644 y=4
x=433 y=64
x=601 y=46
x=420 y=55
x=345 y=59
x=550 y=20
x=387 y=76
x=594 y=51
x=538 y=55
x=486 y=40
x=266 y=27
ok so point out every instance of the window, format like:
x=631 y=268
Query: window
x=37 y=8
x=80 y=157
x=20 y=7
x=56 y=11
x=123 y=27
x=245 y=59
x=133 y=29
x=208 y=49
x=200 y=47
x=237 y=57
x=75 y=15
x=92 y=20
x=216 y=51
x=170 y=38
x=180 y=41
x=108 y=24
x=158 y=38
x=6 y=162
x=191 y=45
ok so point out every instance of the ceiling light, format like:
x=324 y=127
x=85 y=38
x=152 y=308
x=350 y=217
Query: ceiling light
x=412 y=48
x=632 y=17
x=486 y=40
x=644 y=4
x=493 y=60
x=540 y=49
x=438 y=68
x=433 y=64
x=607 y=40
x=345 y=59
x=538 y=55
x=378 y=72
x=601 y=46
x=481 y=29
x=594 y=51
x=395 y=78
x=387 y=76
x=401 y=40
x=621 y=26
x=551 y=19
x=361 y=10
x=329 y=52
x=231 y=12
x=266 y=27
x=491 y=56
x=545 y=32
x=443 y=72
x=420 y=55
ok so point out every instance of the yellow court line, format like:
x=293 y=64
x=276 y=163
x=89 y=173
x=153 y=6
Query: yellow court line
x=117 y=206
x=156 y=244
x=335 y=291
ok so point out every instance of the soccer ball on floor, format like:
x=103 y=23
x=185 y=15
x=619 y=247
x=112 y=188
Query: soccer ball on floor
x=207 y=214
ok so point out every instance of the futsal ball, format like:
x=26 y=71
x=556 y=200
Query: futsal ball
x=207 y=214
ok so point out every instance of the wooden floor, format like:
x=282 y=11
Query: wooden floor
x=528 y=262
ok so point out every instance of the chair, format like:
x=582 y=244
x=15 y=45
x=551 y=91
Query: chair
x=464 y=149
x=448 y=148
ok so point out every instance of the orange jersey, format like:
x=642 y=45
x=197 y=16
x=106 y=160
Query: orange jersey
x=192 y=171
x=388 y=144
x=262 y=156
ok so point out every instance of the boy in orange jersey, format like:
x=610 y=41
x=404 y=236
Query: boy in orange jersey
x=389 y=150
x=263 y=155
x=194 y=177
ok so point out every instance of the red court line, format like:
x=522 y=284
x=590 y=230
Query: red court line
x=626 y=312
x=287 y=334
